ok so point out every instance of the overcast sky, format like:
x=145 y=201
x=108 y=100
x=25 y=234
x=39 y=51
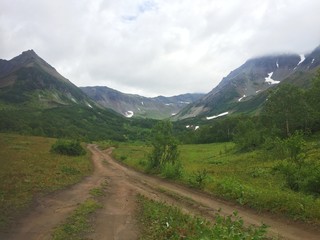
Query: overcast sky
x=155 y=47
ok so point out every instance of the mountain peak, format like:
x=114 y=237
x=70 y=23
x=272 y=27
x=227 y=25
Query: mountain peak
x=25 y=57
x=29 y=53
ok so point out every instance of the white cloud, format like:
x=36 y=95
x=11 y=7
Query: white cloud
x=154 y=47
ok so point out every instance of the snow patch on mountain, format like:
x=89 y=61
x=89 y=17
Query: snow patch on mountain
x=270 y=80
x=129 y=114
x=241 y=98
x=193 y=127
x=73 y=100
x=88 y=104
x=216 y=116
x=277 y=63
x=302 y=58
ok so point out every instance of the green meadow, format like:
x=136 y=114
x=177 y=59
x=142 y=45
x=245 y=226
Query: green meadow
x=29 y=169
x=248 y=178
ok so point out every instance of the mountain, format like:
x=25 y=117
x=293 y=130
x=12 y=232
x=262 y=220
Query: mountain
x=29 y=80
x=36 y=100
x=244 y=89
x=131 y=105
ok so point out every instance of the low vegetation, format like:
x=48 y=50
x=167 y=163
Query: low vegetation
x=164 y=155
x=253 y=178
x=159 y=221
x=28 y=168
x=80 y=222
x=68 y=147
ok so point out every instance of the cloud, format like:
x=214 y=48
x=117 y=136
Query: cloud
x=154 y=47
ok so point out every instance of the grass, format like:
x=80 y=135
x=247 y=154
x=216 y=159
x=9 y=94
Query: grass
x=245 y=178
x=29 y=169
x=80 y=222
x=160 y=221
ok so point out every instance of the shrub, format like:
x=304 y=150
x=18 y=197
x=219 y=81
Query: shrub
x=248 y=135
x=68 y=147
x=274 y=148
x=292 y=147
x=172 y=171
x=165 y=146
x=301 y=177
x=199 y=178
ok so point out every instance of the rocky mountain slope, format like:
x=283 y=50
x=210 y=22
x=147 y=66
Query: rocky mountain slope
x=244 y=88
x=36 y=100
x=131 y=105
x=29 y=80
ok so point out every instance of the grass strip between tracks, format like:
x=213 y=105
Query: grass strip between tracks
x=80 y=222
x=160 y=221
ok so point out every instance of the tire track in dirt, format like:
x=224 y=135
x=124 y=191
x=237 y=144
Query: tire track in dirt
x=47 y=212
x=116 y=220
x=199 y=203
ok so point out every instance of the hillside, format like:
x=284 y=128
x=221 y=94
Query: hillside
x=244 y=89
x=132 y=105
x=35 y=99
x=27 y=80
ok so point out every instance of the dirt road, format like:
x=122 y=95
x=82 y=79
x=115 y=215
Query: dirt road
x=116 y=219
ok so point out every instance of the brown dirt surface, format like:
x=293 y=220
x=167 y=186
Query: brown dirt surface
x=116 y=220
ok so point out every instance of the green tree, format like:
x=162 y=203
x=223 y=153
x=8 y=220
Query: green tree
x=287 y=109
x=248 y=135
x=313 y=99
x=165 y=146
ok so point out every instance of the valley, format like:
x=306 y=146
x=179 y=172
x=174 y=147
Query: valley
x=159 y=120
x=245 y=156
x=116 y=218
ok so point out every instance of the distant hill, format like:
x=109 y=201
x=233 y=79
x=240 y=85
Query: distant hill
x=131 y=105
x=244 y=89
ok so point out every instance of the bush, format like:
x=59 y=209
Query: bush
x=172 y=171
x=68 y=147
x=199 y=178
x=248 y=135
x=165 y=146
x=274 y=148
x=301 y=177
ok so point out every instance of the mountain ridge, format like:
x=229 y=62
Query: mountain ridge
x=251 y=79
x=29 y=80
x=130 y=105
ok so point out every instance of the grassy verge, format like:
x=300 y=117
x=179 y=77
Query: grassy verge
x=159 y=221
x=246 y=178
x=80 y=222
x=28 y=169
